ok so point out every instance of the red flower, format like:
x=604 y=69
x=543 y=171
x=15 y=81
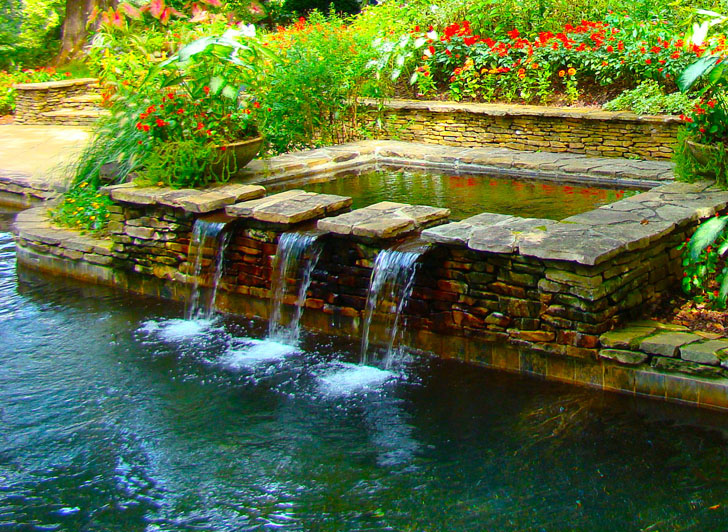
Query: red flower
x=160 y=122
x=513 y=34
x=151 y=109
x=431 y=49
x=200 y=125
x=170 y=95
x=206 y=89
x=223 y=148
x=648 y=61
x=610 y=48
x=180 y=111
x=256 y=105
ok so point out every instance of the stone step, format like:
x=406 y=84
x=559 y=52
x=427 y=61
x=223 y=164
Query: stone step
x=71 y=117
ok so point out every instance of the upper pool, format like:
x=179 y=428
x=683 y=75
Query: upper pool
x=468 y=195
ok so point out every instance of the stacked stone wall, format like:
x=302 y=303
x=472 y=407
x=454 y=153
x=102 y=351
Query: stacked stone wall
x=591 y=132
x=33 y=102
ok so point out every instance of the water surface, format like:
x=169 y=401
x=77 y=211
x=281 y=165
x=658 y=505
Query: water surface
x=118 y=415
x=468 y=195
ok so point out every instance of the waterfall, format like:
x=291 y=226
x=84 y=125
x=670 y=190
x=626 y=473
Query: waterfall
x=202 y=232
x=295 y=259
x=390 y=287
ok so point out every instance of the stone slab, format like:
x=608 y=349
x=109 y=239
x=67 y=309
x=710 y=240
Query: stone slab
x=217 y=198
x=293 y=206
x=384 y=220
x=667 y=344
x=626 y=338
x=711 y=352
x=624 y=357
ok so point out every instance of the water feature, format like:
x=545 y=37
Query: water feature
x=467 y=195
x=390 y=287
x=203 y=233
x=108 y=425
x=296 y=258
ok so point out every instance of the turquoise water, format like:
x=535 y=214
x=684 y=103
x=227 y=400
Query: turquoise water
x=118 y=415
x=468 y=195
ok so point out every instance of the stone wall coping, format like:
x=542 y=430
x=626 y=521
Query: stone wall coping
x=501 y=109
x=291 y=207
x=48 y=85
x=384 y=220
x=592 y=237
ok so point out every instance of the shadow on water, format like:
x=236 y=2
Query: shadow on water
x=118 y=415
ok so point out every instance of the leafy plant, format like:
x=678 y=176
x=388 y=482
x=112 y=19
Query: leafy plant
x=83 y=207
x=649 y=98
x=705 y=271
x=28 y=75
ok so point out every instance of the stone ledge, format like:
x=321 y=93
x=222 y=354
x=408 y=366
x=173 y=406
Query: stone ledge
x=593 y=237
x=384 y=220
x=49 y=85
x=291 y=207
x=496 y=109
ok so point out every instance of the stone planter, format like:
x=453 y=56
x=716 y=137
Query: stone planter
x=702 y=153
x=238 y=154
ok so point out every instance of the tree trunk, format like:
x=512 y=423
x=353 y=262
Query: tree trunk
x=75 y=27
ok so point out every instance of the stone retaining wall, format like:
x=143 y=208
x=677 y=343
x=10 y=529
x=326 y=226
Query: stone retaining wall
x=526 y=127
x=527 y=295
x=34 y=100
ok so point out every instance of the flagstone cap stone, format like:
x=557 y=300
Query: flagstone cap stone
x=384 y=220
x=293 y=206
x=592 y=237
x=198 y=201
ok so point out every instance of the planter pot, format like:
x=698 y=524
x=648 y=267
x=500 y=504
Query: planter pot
x=703 y=154
x=238 y=154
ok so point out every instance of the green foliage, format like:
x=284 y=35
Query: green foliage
x=700 y=160
x=305 y=7
x=649 y=98
x=83 y=207
x=705 y=272
x=29 y=31
x=8 y=79
x=184 y=163
x=312 y=93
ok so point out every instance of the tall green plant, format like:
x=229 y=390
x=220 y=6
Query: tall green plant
x=704 y=255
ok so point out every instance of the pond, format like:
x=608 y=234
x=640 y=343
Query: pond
x=468 y=195
x=118 y=415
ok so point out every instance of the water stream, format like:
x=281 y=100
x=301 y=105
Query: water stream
x=295 y=259
x=390 y=287
x=203 y=233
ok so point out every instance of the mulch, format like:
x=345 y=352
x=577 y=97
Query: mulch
x=696 y=316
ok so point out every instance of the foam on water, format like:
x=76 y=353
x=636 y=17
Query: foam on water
x=254 y=352
x=349 y=379
x=176 y=329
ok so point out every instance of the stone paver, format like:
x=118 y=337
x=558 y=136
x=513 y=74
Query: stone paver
x=385 y=219
x=712 y=352
x=668 y=344
x=293 y=206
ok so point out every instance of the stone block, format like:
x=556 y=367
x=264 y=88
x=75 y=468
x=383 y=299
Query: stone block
x=623 y=357
x=711 y=352
x=690 y=368
x=667 y=344
x=628 y=337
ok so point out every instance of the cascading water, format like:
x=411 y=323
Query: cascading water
x=202 y=232
x=390 y=287
x=295 y=258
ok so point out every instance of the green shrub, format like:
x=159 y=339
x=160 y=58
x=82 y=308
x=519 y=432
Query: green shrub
x=310 y=98
x=648 y=98
x=705 y=275
x=28 y=75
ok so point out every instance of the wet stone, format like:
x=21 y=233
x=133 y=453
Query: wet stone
x=624 y=357
x=627 y=338
x=667 y=344
x=710 y=352
x=454 y=234
x=293 y=206
x=690 y=368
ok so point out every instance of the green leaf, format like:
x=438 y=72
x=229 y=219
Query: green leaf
x=695 y=71
x=229 y=92
x=705 y=235
x=723 y=248
x=723 y=293
x=216 y=84
x=395 y=74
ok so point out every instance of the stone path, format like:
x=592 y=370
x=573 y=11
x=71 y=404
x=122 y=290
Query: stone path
x=33 y=158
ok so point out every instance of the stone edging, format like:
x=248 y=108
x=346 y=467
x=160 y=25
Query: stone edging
x=60 y=84
x=18 y=189
x=500 y=109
